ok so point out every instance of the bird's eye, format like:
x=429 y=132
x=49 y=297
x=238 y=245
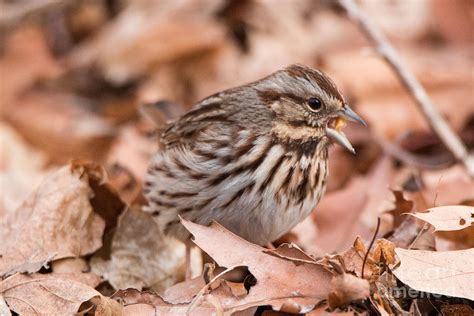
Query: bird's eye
x=314 y=104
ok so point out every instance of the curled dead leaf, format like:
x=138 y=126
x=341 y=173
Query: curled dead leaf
x=384 y=251
x=141 y=256
x=56 y=221
x=46 y=294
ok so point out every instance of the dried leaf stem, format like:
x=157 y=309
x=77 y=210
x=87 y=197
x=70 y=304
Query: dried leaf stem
x=416 y=90
x=202 y=292
x=370 y=246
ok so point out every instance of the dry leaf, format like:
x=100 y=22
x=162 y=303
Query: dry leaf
x=43 y=294
x=401 y=206
x=25 y=60
x=448 y=218
x=447 y=186
x=56 y=221
x=347 y=288
x=4 y=310
x=141 y=255
x=132 y=150
x=457 y=310
x=21 y=169
x=342 y=215
x=76 y=131
x=449 y=273
x=125 y=51
x=148 y=303
x=278 y=280
x=455 y=240
x=139 y=310
x=69 y=265
x=183 y=292
x=291 y=252
x=383 y=250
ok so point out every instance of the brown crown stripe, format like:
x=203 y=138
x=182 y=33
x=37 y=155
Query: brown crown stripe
x=323 y=81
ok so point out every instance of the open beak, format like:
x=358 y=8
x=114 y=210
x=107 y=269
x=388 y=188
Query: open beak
x=336 y=134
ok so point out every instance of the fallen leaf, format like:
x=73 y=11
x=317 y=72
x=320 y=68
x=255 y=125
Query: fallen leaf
x=76 y=132
x=184 y=292
x=344 y=214
x=455 y=240
x=278 y=280
x=4 y=310
x=132 y=150
x=105 y=306
x=351 y=260
x=456 y=310
x=124 y=51
x=291 y=252
x=41 y=294
x=56 y=221
x=26 y=59
x=132 y=296
x=448 y=186
x=69 y=265
x=139 y=310
x=149 y=303
x=448 y=218
x=125 y=183
x=347 y=288
x=88 y=278
x=141 y=256
x=21 y=169
x=401 y=206
x=383 y=250
x=448 y=273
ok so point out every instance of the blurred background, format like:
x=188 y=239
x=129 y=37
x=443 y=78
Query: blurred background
x=73 y=75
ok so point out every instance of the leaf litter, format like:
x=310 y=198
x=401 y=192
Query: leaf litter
x=75 y=148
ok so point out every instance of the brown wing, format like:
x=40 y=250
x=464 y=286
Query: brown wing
x=186 y=128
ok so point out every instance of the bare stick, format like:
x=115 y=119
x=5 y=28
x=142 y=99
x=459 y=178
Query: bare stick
x=386 y=50
x=370 y=246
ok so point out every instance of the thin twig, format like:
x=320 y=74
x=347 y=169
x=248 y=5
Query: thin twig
x=416 y=90
x=202 y=292
x=370 y=246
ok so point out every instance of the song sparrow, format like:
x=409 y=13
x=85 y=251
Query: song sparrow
x=253 y=158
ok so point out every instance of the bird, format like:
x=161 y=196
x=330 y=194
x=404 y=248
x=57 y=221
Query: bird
x=253 y=158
